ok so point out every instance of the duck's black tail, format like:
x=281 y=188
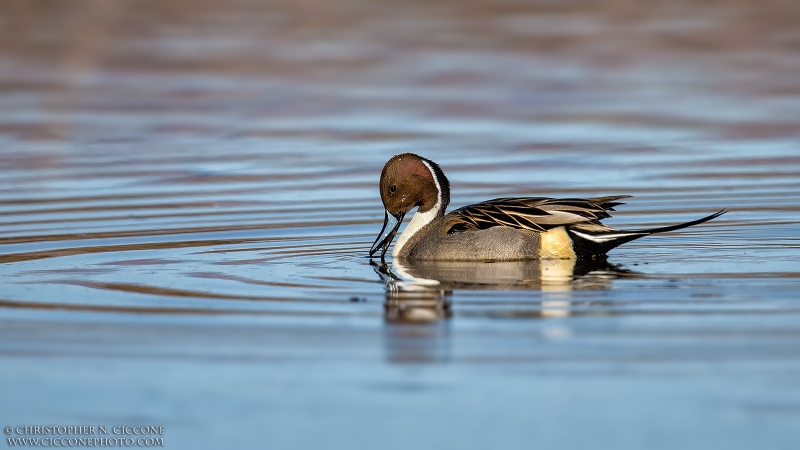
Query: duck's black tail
x=597 y=239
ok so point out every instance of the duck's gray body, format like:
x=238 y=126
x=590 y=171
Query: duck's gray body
x=497 y=243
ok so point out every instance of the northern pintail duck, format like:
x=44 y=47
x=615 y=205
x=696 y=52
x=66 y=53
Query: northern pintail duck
x=500 y=229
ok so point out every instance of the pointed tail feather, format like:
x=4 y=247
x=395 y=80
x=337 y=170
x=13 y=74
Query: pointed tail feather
x=600 y=240
x=681 y=225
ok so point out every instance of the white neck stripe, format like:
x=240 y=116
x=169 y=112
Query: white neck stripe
x=420 y=219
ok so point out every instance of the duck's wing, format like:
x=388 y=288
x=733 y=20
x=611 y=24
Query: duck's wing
x=531 y=213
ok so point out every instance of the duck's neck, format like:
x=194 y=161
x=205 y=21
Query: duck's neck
x=412 y=232
x=423 y=218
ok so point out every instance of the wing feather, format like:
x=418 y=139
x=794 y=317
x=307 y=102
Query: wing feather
x=531 y=213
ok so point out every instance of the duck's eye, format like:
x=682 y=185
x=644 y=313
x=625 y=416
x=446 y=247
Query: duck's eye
x=393 y=188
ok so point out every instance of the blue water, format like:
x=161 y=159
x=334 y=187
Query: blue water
x=188 y=195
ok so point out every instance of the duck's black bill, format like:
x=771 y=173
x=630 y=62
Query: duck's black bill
x=390 y=225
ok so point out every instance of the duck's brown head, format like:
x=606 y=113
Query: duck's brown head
x=408 y=181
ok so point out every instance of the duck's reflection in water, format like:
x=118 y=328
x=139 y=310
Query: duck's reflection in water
x=414 y=307
x=418 y=295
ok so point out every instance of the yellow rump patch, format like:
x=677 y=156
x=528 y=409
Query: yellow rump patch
x=556 y=244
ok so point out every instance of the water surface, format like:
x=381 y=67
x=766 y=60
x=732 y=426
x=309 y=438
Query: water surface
x=189 y=192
